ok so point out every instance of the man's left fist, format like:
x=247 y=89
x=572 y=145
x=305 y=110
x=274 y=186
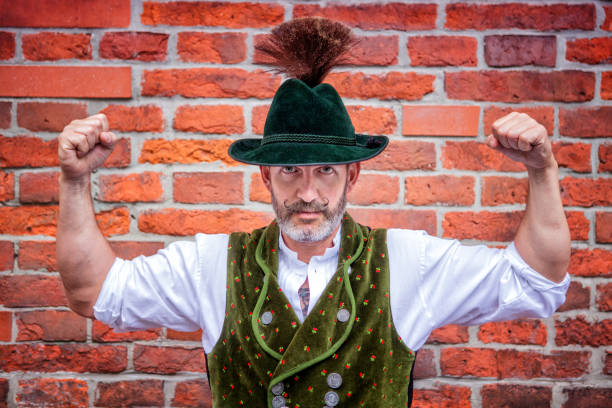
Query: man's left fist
x=522 y=139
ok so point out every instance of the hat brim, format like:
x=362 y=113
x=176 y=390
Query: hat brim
x=251 y=151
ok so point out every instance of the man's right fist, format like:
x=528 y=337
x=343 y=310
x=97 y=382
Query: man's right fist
x=83 y=146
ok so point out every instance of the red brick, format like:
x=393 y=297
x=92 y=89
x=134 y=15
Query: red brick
x=409 y=219
x=130 y=393
x=379 y=50
x=604 y=297
x=184 y=336
x=391 y=85
x=6 y=329
x=30 y=220
x=102 y=333
x=443 y=396
x=4 y=392
x=27 y=151
x=606 y=85
x=553 y=17
x=605 y=158
x=56 y=46
x=513 y=395
x=63 y=13
x=215 y=14
x=578 y=224
x=49 y=116
x=219 y=48
x=442 y=189
x=425 y=120
x=147 y=118
x=499 y=190
x=209 y=83
x=213 y=119
x=575 y=156
x=449 y=334
x=591 y=262
x=603 y=227
x=189 y=222
x=424 y=365
x=130 y=45
x=577 y=297
x=209 y=187
x=79 y=358
x=590 y=50
x=529 y=364
x=258 y=191
x=468 y=362
x=586 y=192
x=607 y=24
x=7 y=256
x=114 y=222
x=39 y=187
x=404 y=155
x=7 y=45
x=132 y=249
x=392 y=16
x=522 y=331
x=156 y=151
x=372 y=121
x=476 y=156
x=545 y=115
x=5 y=114
x=36 y=255
x=131 y=188
x=607 y=370
x=484 y=225
x=587 y=397
x=192 y=394
x=520 y=50
x=38 y=392
x=51 y=325
x=582 y=332
x=168 y=360
x=441 y=51
x=258 y=118
x=520 y=86
x=66 y=82
x=386 y=187
x=7 y=186
x=586 y=122
x=31 y=291
x=121 y=155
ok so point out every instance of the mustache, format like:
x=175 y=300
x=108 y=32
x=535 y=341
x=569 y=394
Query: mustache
x=303 y=206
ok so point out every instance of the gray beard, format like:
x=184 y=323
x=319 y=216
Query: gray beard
x=333 y=217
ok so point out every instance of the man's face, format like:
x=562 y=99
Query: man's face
x=309 y=201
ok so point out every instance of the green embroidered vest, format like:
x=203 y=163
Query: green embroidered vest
x=346 y=353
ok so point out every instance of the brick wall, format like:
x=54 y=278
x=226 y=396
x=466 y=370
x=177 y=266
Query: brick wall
x=179 y=81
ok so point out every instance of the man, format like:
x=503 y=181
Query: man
x=315 y=309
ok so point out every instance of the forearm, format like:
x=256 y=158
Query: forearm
x=84 y=256
x=543 y=237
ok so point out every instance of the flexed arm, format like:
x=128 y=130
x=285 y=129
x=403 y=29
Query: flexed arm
x=543 y=237
x=84 y=257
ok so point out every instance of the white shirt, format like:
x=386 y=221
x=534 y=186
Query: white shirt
x=433 y=282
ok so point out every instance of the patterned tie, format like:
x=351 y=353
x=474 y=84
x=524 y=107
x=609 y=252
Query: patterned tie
x=304 y=294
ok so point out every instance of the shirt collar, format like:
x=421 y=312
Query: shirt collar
x=291 y=257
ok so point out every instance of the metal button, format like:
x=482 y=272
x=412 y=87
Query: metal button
x=343 y=315
x=331 y=398
x=334 y=380
x=278 y=402
x=277 y=389
x=266 y=318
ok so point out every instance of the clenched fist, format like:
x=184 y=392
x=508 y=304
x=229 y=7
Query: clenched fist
x=83 y=146
x=522 y=139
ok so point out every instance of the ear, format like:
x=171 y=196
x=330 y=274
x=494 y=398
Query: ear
x=264 y=171
x=353 y=170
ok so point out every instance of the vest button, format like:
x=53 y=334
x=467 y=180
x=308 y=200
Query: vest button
x=334 y=380
x=278 y=402
x=331 y=398
x=278 y=388
x=343 y=315
x=266 y=318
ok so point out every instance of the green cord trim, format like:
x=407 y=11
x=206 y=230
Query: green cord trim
x=308 y=138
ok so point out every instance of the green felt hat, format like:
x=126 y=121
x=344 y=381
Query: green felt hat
x=307 y=122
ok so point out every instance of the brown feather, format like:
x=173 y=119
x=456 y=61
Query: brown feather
x=307 y=48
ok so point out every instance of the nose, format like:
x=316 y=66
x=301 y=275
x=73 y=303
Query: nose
x=307 y=189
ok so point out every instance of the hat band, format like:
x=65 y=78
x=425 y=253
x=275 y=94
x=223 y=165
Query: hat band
x=305 y=138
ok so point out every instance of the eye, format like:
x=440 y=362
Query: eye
x=326 y=170
x=289 y=169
